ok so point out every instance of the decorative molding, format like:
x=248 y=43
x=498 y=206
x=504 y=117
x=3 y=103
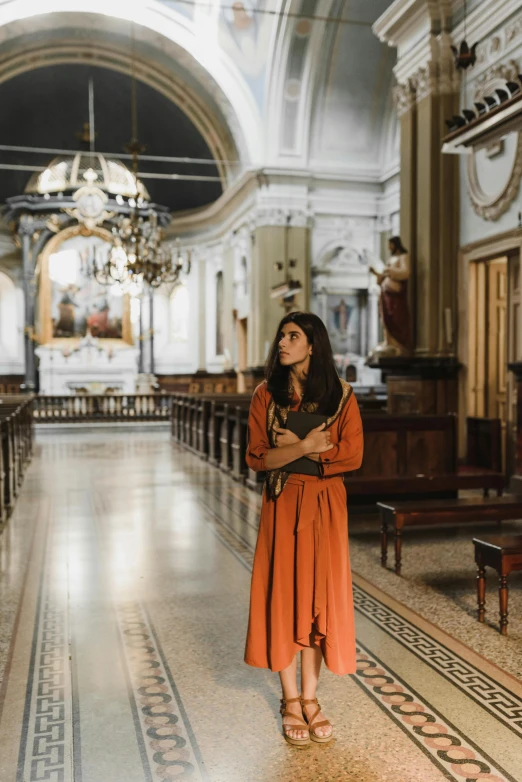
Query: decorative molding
x=497 y=24
x=274 y=216
x=495 y=76
x=487 y=206
x=493 y=207
x=404 y=96
x=438 y=76
x=426 y=81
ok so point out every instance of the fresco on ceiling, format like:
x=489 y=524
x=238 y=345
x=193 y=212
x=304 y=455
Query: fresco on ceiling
x=243 y=32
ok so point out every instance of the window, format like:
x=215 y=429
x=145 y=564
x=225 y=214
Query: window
x=8 y=317
x=220 y=347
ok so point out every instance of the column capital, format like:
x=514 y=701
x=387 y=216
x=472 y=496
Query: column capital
x=404 y=95
x=275 y=216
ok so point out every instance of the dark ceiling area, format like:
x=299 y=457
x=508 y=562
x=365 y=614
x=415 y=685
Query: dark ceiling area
x=47 y=107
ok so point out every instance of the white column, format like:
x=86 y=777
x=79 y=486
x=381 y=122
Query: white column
x=201 y=319
x=373 y=319
x=324 y=306
x=363 y=324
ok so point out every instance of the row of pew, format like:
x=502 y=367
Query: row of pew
x=405 y=455
x=16 y=448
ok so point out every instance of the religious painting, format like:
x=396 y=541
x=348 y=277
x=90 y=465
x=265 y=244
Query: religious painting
x=79 y=304
x=73 y=303
x=343 y=322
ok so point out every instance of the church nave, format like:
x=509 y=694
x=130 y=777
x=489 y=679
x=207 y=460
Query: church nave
x=125 y=572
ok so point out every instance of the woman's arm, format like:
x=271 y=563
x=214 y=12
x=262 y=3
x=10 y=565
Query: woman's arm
x=347 y=454
x=260 y=456
x=258 y=443
x=278 y=457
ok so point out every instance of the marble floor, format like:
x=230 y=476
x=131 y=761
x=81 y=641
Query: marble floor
x=124 y=580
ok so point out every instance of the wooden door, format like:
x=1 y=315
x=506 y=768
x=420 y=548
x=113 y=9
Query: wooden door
x=488 y=343
x=497 y=340
x=242 y=342
x=477 y=340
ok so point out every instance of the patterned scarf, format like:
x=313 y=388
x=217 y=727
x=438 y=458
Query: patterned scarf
x=276 y=416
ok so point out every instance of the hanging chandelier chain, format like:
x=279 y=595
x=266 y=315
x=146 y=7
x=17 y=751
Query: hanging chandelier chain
x=139 y=256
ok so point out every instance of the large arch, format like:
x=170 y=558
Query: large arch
x=165 y=33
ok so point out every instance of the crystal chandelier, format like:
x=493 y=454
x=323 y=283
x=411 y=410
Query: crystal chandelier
x=138 y=258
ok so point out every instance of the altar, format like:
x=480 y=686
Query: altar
x=89 y=366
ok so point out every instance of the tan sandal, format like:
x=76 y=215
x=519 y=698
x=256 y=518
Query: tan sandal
x=313 y=725
x=287 y=727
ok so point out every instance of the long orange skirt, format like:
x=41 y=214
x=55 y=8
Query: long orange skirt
x=301 y=581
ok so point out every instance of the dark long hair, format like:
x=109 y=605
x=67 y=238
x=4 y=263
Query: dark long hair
x=398 y=245
x=322 y=383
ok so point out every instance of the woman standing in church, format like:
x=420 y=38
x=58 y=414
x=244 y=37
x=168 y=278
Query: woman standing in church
x=301 y=595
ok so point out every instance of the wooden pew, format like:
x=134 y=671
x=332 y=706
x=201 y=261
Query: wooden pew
x=239 y=469
x=484 y=445
x=232 y=438
x=220 y=429
x=16 y=446
x=413 y=456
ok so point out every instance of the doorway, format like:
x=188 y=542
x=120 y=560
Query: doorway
x=489 y=347
x=242 y=342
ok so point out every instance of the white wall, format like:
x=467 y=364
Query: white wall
x=11 y=327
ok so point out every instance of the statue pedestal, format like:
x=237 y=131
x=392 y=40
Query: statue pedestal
x=88 y=367
x=424 y=385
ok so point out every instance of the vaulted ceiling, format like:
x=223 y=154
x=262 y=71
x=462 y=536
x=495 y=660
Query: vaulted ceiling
x=47 y=107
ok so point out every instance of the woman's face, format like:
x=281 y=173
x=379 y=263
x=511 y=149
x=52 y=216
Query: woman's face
x=294 y=347
x=391 y=247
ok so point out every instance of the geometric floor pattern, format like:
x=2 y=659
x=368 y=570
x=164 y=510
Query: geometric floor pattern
x=124 y=583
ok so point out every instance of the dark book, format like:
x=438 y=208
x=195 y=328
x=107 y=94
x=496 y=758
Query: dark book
x=302 y=424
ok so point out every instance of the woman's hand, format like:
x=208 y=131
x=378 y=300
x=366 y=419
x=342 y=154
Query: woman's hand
x=318 y=440
x=284 y=437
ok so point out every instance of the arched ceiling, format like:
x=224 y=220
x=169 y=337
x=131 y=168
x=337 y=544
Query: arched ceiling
x=183 y=48
x=48 y=106
x=355 y=82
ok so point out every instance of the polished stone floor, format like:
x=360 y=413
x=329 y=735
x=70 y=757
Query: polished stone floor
x=124 y=579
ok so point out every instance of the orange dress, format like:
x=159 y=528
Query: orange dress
x=301 y=590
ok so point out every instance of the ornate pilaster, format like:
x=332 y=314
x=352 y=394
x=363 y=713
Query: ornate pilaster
x=429 y=183
x=26 y=232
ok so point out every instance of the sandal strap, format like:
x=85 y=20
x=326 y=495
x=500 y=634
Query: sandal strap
x=311 y=724
x=321 y=724
x=285 y=702
x=293 y=727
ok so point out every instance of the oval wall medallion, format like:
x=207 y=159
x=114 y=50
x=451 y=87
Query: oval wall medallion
x=494 y=172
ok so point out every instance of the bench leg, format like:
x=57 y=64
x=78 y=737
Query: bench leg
x=503 y=597
x=481 y=592
x=384 y=541
x=398 y=550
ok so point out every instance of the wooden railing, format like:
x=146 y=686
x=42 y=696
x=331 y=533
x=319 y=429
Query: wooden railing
x=16 y=448
x=103 y=408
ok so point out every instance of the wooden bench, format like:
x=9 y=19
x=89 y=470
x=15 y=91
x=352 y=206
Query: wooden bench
x=432 y=512
x=504 y=553
x=425 y=486
x=16 y=446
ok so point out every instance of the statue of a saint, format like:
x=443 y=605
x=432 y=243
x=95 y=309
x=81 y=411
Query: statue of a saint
x=395 y=314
